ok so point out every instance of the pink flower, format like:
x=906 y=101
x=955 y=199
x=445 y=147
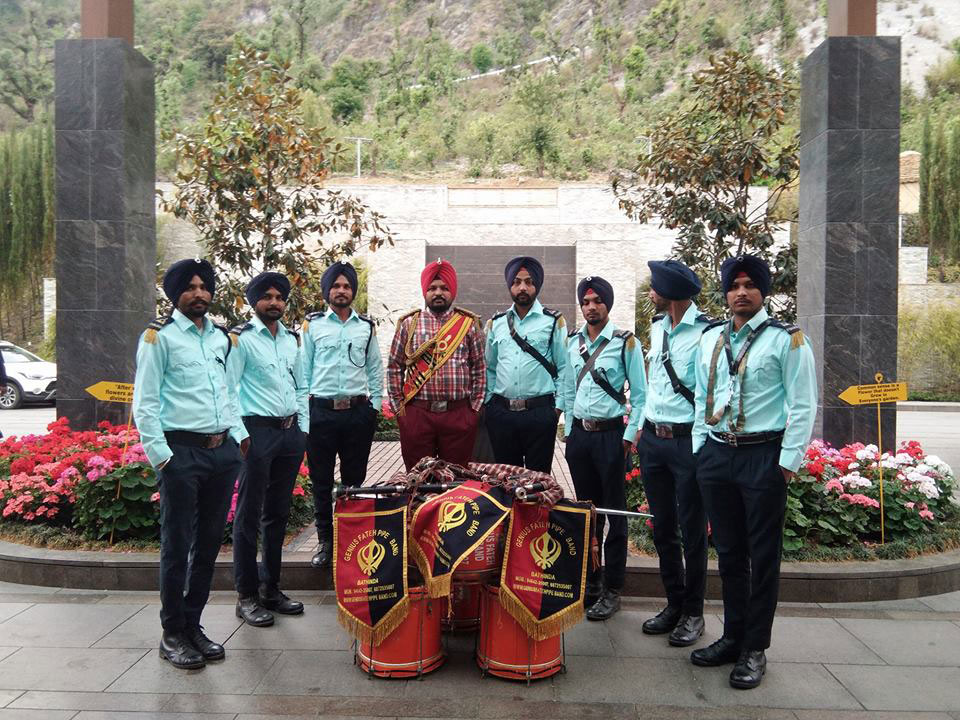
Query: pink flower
x=834 y=485
x=926 y=515
x=155 y=497
x=909 y=505
x=859 y=499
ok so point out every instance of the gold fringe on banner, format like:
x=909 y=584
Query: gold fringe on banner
x=557 y=623
x=436 y=586
x=375 y=635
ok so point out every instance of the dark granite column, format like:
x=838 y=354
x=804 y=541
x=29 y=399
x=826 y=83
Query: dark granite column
x=105 y=224
x=848 y=249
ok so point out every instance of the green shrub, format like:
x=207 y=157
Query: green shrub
x=118 y=504
x=928 y=347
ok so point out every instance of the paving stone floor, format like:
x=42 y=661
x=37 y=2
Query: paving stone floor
x=88 y=655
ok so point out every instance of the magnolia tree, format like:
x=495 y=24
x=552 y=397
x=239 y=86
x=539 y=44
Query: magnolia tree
x=703 y=159
x=252 y=181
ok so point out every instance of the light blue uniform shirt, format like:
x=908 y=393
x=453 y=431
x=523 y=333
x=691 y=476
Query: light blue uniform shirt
x=268 y=372
x=663 y=404
x=513 y=373
x=181 y=384
x=590 y=401
x=779 y=388
x=342 y=359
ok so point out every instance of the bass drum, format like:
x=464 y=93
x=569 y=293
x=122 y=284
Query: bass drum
x=506 y=651
x=460 y=612
x=413 y=649
x=483 y=564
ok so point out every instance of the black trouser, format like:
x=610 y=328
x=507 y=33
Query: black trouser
x=745 y=495
x=196 y=486
x=523 y=437
x=670 y=482
x=596 y=461
x=347 y=433
x=263 y=504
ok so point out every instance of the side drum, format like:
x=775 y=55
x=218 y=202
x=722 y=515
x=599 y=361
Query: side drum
x=505 y=650
x=460 y=612
x=413 y=649
x=483 y=564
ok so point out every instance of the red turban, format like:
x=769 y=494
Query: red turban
x=439 y=269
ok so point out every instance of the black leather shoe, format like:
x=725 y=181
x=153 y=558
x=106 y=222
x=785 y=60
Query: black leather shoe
x=687 y=631
x=605 y=607
x=663 y=622
x=722 y=652
x=207 y=647
x=177 y=650
x=278 y=602
x=593 y=593
x=321 y=558
x=749 y=670
x=253 y=613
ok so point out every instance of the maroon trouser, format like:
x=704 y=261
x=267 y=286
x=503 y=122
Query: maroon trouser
x=447 y=435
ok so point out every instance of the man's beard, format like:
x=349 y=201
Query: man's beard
x=269 y=316
x=340 y=301
x=439 y=305
x=523 y=299
x=594 y=321
x=195 y=312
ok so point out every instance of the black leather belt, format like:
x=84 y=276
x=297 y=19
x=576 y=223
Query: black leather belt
x=599 y=425
x=669 y=430
x=195 y=439
x=518 y=404
x=440 y=406
x=280 y=423
x=754 y=438
x=339 y=403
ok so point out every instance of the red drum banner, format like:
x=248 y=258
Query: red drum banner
x=545 y=566
x=448 y=527
x=370 y=565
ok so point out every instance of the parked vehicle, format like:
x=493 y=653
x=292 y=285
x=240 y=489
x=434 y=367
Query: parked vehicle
x=29 y=378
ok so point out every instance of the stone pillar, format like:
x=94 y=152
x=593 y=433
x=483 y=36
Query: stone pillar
x=849 y=186
x=105 y=219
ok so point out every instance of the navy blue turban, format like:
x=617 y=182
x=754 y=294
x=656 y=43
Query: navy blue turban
x=258 y=287
x=755 y=268
x=601 y=287
x=673 y=280
x=178 y=276
x=331 y=274
x=531 y=265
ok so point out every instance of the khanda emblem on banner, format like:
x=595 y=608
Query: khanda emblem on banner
x=452 y=514
x=370 y=557
x=545 y=551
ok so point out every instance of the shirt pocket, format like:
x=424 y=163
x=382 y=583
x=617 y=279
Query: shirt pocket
x=187 y=367
x=766 y=371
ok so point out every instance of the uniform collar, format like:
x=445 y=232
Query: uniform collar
x=754 y=322
x=260 y=326
x=185 y=323
x=535 y=308
x=689 y=318
x=606 y=333
x=331 y=315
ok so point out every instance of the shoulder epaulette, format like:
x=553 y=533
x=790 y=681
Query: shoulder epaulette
x=308 y=317
x=296 y=335
x=557 y=316
x=405 y=316
x=704 y=318
x=573 y=331
x=500 y=314
x=462 y=311
x=365 y=318
x=796 y=334
x=150 y=335
x=237 y=329
x=628 y=338
x=713 y=324
x=658 y=316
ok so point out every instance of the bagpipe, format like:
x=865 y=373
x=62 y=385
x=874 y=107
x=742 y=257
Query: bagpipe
x=444 y=547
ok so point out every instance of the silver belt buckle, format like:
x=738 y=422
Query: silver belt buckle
x=728 y=438
x=438 y=406
x=591 y=425
x=663 y=431
x=341 y=403
x=517 y=403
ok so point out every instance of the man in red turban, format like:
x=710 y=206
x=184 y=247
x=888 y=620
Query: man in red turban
x=436 y=373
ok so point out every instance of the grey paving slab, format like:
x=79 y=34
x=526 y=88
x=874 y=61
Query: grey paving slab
x=6 y=714
x=497 y=706
x=628 y=639
x=42 y=700
x=9 y=587
x=948 y=602
x=460 y=678
x=909 y=642
x=867 y=715
x=786 y=685
x=901 y=688
x=238 y=674
x=8 y=610
x=675 y=713
x=142 y=630
x=817 y=640
x=88 y=669
x=111 y=715
x=323 y=672
x=8 y=696
x=628 y=680
x=589 y=638
x=5 y=651
x=880 y=605
x=64 y=625
x=324 y=706
x=316 y=629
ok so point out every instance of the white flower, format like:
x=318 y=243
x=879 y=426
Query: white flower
x=867 y=453
x=904 y=459
x=855 y=480
x=853 y=466
x=924 y=469
x=929 y=488
x=890 y=463
x=939 y=465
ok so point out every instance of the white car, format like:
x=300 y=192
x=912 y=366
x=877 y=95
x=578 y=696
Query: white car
x=29 y=378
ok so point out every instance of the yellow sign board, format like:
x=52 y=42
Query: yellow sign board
x=877 y=393
x=112 y=391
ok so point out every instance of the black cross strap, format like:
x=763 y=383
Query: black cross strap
x=531 y=350
x=588 y=367
x=734 y=365
x=678 y=387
